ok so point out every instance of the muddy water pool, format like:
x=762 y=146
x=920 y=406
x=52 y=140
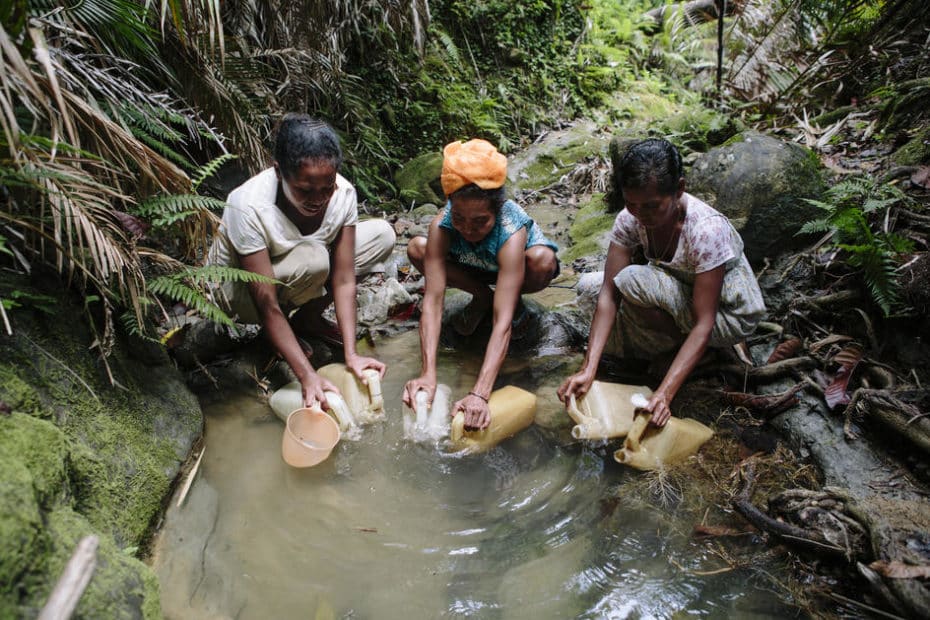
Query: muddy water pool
x=386 y=528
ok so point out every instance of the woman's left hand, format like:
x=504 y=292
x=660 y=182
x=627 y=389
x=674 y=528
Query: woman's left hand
x=659 y=406
x=477 y=413
x=358 y=363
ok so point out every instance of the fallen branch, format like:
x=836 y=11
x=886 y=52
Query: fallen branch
x=891 y=410
x=785 y=531
x=78 y=571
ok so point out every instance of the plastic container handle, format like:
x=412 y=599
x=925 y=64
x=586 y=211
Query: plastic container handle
x=421 y=406
x=373 y=381
x=636 y=431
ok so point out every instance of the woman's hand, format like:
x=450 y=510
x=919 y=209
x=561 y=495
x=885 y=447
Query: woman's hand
x=358 y=363
x=424 y=382
x=659 y=407
x=477 y=413
x=577 y=385
x=312 y=386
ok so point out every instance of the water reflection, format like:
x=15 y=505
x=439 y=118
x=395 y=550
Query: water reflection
x=389 y=529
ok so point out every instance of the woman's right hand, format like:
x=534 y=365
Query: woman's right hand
x=577 y=385
x=413 y=386
x=313 y=387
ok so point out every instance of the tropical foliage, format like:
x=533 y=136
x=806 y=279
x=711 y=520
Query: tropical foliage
x=857 y=215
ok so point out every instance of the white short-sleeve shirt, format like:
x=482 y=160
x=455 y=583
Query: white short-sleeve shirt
x=253 y=222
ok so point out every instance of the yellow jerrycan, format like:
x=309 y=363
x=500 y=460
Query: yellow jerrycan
x=606 y=411
x=512 y=410
x=359 y=403
x=654 y=447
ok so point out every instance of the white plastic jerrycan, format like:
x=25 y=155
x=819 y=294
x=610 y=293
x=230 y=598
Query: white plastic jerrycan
x=429 y=423
x=652 y=447
x=606 y=410
x=512 y=410
x=359 y=403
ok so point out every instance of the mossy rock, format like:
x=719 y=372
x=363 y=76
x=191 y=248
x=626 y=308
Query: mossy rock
x=916 y=151
x=698 y=128
x=80 y=455
x=22 y=535
x=589 y=230
x=121 y=586
x=419 y=180
x=761 y=184
x=544 y=163
x=43 y=448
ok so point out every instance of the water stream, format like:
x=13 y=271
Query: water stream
x=390 y=529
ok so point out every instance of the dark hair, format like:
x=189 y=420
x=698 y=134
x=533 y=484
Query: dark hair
x=301 y=137
x=496 y=197
x=652 y=159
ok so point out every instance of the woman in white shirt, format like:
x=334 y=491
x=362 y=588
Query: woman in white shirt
x=297 y=222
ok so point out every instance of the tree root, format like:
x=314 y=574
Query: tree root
x=893 y=411
x=843 y=531
x=789 y=533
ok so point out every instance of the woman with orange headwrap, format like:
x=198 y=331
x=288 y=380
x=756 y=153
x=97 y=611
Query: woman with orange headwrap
x=478 y=239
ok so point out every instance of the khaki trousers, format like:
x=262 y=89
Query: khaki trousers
x=304 y=270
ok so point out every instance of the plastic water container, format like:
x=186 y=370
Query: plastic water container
x=512 y=410
x=606 y=411
x=649 y=447
x=429 y=422
x=309 y=437
x=359 y=403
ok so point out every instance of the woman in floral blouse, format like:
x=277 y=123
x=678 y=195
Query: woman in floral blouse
x=695 y=291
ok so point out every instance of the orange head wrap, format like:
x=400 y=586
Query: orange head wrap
x=475 y=161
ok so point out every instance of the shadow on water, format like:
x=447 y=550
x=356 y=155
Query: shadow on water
x=390 y=529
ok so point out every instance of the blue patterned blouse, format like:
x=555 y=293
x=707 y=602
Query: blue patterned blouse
x=483 y=255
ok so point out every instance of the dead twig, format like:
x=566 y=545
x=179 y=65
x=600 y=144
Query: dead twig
x=74 y=579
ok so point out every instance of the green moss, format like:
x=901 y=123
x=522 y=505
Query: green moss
x=552 y=164
x=42 y=448
x=20 y=395
x=122 y=586
x=697 y=128
x=418 y=179
x=916 y=151
x=587 y=231
x=108 y=453
x=118 y=474
x=21 y=534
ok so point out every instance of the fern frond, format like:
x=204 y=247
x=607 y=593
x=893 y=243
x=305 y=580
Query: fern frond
x=172 y=287
x=164 y=206
x=220 y=273
x=815 y=226
x=206 y=171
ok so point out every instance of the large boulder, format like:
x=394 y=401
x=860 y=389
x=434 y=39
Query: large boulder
x=80 y=455
x=760 y=183
x=418 y=179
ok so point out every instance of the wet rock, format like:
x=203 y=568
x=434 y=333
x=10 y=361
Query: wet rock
x=204 y=341
x=760 y=183
x=538 y=332
x=376 y=304
x=418 y=179
x=425 y=212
